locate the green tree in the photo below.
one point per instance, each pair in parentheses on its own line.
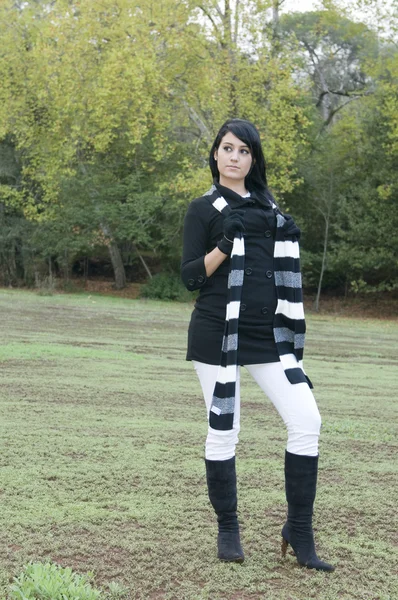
(100,96)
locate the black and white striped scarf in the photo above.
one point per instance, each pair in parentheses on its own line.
(289,322)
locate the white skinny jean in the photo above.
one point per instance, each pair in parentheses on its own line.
(295,403)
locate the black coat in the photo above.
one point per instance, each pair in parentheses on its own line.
(203,228)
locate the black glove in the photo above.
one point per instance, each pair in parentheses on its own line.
(290,228)
(232,225)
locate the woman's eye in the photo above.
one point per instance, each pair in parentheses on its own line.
(229,149)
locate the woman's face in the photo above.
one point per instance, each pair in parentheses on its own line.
(234,159)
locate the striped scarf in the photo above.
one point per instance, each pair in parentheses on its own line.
(289,323)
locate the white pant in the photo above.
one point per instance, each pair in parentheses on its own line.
(294,402)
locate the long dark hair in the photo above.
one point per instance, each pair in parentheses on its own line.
(256,179)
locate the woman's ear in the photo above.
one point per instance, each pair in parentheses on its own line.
(215,156)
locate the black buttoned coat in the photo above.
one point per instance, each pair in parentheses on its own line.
(203,228)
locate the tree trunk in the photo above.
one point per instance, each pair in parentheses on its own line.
(275,14)
(326,215)
(116,259)
(325,248)
(275,32)
(12,266)
(114,252)
(66,265)
(85,269)
(236,23)
(147,269)
(231,50)
(118,266)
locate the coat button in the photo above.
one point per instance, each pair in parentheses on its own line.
(201,279)
(268,274)
(243,307)
(248,271)
(268,233)
(191,281)
(264,310)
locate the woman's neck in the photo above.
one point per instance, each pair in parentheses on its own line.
(236,186)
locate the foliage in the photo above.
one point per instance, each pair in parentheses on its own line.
(95,95)
(48,581)
(108,110)
(345,203)
(166,286)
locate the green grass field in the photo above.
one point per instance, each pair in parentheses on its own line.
(101,462)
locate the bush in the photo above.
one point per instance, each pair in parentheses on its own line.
(166,286)
(46,286)
(49,581)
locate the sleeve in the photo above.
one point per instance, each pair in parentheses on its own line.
(193,272)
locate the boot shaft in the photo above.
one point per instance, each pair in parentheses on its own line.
(300,481)
(301,474)
(221,485)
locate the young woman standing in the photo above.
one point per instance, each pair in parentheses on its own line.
(242,254)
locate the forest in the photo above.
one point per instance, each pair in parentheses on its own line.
(108,109)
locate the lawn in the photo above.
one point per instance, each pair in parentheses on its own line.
(101,462)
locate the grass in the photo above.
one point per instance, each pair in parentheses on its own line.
(101,463)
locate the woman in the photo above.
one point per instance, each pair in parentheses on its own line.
(242,254)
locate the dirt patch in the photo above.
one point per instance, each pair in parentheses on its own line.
(378,306)
(107,287)
(371,306)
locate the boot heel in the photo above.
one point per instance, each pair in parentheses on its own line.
(284,547)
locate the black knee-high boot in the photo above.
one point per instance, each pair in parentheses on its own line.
(221,483)
(300,479)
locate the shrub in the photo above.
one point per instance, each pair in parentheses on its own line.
(46,286)
(48,581)
(165,286)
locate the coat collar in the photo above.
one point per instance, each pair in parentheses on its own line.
(286,225)
(235,200)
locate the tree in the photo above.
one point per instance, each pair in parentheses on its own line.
(337,55)
(74,99)
(97,96)
(334,51)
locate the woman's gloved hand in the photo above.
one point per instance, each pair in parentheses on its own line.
(232,225)
(290,228)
